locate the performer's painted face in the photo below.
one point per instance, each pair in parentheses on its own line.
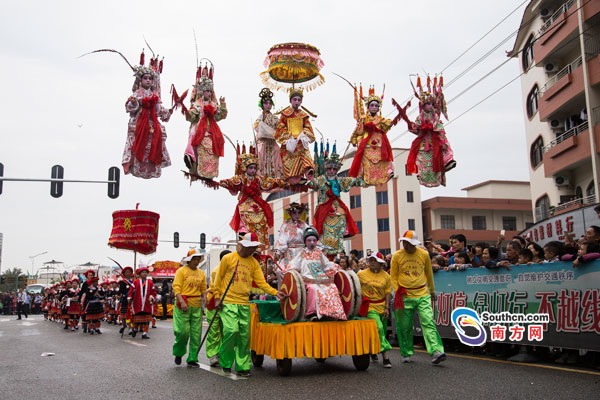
(373,107)
(427,107)
(267,105)
(147,81)
(296,101)
(295,214)
(251,170)
(331,171)
(206,95)
(311,242)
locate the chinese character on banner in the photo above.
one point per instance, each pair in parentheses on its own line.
(459,299)
(535,235)
(559,228)
(498,333)
(516,333)
(546,306)
(444,311)
(541,229)
(535,333)
(549,230)
(514,305)
(481,302)
(590,316)
(569,223)
(568,311)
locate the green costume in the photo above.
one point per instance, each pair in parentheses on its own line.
(214,335)
(404,325)
(381,325)
(236,337)
(187,326)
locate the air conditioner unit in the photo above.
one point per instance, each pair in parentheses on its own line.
(562,180)
(546,13)
(551,67)
(557,124)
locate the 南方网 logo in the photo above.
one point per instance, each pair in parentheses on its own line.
(463,317)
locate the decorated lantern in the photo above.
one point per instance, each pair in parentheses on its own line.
(293,63)
(135,230)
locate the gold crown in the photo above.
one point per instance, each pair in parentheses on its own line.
(296,92)
(248,159)
(426,97)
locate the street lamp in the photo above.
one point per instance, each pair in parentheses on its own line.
(33,259)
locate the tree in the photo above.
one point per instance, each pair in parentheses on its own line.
(13,279)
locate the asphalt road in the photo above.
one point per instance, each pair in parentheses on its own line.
(108,367)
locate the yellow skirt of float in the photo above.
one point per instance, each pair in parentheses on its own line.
(159,310)
(357,338)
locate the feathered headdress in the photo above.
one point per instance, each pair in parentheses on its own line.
(432,94)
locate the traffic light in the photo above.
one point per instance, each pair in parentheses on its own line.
(203,240)
(176,239)
(56,188)
(114,175)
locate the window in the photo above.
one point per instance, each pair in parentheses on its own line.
(528,53)
(578,192)
(532,101)
(447,221)
(382,198)
(537,152)
(385,252)
(590,191)
(359,226)
(542,208)
(509,223)
(528,225)
(271,240)
(383,225)
(411,224)
(410,198)
(479,223)
(355,201)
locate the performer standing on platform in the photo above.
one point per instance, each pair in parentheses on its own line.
(290,241)
(141,296)
(412,280)
(215,333)
(240,268)
(189,288)
(295,134)
(376,286)
(124,285)
(269,154)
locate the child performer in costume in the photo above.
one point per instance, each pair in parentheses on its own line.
(73,307)
(295,134)
(240,268)
(332,218)
(141,296)
(145,151)
(290,241)
(64,290)
(376,286)
(269,156)
(430,154)
(205,142)
(124,286)
(189,288)
(92,304)
(322,296)
(214,337)
(252,212)
(373,160)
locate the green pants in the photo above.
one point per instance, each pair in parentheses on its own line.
(404,326)
(187,326)
(381,326)
(236,337)
(214,335)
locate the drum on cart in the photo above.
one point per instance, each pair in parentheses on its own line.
(294,306)
(349,288)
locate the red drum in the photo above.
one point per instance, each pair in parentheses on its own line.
(135,230)
(345,287)
(294,306)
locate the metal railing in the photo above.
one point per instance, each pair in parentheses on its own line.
(564,136)
(581,201)
(560,11)
(562,73)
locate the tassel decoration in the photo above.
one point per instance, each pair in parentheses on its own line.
(142,58)
(160,66)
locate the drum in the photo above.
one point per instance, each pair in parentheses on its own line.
(357,293)
(346,289)
(294,306)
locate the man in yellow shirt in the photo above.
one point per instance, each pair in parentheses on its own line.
(189,288)
(215,333)
(412,276)
(239,268)
(376,287)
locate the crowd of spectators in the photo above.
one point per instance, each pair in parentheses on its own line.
(20,302)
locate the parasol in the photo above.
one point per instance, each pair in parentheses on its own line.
(293,63)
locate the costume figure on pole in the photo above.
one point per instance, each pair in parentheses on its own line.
(206,142)
(322,296)
(239,269)
(412,280)
(430,154)
(376,286)
(252,212)
(332,218)
(141,296)
(189,287)
(373,160)
(290,241)
(269,157)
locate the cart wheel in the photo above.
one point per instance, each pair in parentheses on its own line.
(320,360)
(284,367)
(257,359)
(361,362)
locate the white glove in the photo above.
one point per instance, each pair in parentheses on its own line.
(291,144)
(305,140)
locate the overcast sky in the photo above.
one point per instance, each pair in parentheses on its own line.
(47,93)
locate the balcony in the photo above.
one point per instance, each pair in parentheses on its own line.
(556,30)
(561,88)
(572,205)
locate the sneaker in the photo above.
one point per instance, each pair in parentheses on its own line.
(214,361)
(246,373)
(187,159)
(98,332)
(406,359)
(227,370)
(91,331)
(153,326)
(438,357)
(387,363)
(178,360)
(374,358)
(133,333)
(72,329)
(145,336)
(193,364)
(451,165)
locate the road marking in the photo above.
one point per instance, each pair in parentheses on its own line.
(581,371)
(135,343)
(30,332)
(219,371)
(28,323)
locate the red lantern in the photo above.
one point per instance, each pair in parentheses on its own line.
(135,230)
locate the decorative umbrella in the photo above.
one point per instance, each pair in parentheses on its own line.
(293,63)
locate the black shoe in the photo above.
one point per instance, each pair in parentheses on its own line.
(144,336)
(91,331)
(374,358)
(178,360)
(193,364)
(187,159)
(98,332)
(133,333)
(451,165)
(66,327)
(387,363)
(246,373)
(122,329)
(85,329)
(153,326)
(227,370)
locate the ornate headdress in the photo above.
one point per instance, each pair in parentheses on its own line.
(244,159)
(294,91)
(303,207)
(373,97)
(204,79)
(248,159)
(333,162)
(433,94)
(324,159)
(265,95)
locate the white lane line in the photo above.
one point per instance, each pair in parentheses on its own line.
(135,343)
(28,323)
(219,371)
(29,332)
